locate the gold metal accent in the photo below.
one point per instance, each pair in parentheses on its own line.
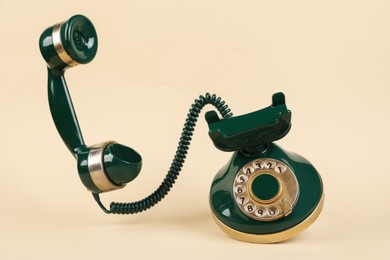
(275,237)
(287,207)
(96,168)
(275,208)
(64,56)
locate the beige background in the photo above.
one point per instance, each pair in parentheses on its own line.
(330,58)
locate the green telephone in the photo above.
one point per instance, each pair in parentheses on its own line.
(264,194)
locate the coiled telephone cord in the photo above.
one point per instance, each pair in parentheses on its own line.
(178,160)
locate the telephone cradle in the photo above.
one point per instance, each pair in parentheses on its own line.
(264,194)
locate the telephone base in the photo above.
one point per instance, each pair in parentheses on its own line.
(273,237)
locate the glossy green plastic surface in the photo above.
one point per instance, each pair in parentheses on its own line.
(82,168)
(265,187)
(122,164)
(63,113)
(225,208)
(48,51)
(251,131)
(79,40)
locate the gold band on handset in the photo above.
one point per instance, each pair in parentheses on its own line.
(96,168)
(59,47)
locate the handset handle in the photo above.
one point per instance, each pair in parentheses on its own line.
(251,131)
(63,46)
(102,167)
(63,113)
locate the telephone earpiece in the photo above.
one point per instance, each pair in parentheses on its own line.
(264,194)
(69,43)
(102,167)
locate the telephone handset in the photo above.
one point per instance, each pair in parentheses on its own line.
(264,194)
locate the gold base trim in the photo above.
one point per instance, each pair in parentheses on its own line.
(275,237)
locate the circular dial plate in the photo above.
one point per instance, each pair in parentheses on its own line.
(271,209)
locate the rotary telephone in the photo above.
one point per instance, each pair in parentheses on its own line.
(264,194)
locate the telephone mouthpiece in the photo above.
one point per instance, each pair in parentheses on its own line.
(108,166)
(69,43)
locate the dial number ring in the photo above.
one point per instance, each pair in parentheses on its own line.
(274,208)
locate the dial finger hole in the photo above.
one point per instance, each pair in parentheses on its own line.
(280,168)
(270,164)
(242,200)
(241,179)
(258,164)
(250,208)
(272,211)
(240,189)
(248,170)
(260,212)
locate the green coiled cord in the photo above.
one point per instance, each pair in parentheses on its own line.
(178,160)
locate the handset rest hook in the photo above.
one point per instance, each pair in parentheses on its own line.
(251,131)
